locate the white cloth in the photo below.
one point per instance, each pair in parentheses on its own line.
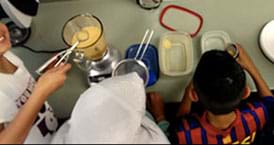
(14,92)
(111,112)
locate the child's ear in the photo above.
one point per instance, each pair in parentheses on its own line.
(194,97)
(246,93)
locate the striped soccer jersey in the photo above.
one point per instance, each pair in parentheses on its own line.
(251,118)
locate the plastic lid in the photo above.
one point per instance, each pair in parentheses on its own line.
(167,20)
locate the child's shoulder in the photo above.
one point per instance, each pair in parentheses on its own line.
(189,122)
(254,112)
(251,105)
(13,58)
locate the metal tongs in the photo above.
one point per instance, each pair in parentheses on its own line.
(61,57)
(142,43)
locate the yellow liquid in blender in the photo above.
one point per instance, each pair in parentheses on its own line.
(87,37)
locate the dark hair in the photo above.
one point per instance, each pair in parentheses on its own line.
(219,82)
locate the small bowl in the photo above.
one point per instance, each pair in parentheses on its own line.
(127,66)
(233,50)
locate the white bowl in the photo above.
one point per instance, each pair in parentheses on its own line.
(267,41)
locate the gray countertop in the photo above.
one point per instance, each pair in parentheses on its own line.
(125,22)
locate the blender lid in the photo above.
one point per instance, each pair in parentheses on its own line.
(267,41)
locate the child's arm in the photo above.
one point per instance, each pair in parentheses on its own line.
(245,61)
(17,130)
(261,85)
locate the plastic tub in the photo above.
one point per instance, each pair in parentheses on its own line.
(150,59)
(176,54)
(215,40)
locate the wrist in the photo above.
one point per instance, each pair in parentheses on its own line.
(40,93)
(160,118)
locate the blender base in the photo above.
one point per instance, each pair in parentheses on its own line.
(102,69)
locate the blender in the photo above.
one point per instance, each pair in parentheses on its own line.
(92,55)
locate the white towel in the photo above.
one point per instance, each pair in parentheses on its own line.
(111,112)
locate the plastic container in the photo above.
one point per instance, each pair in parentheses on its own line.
(150,59)
(176,54)
(215,40)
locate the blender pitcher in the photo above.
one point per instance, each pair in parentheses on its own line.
(92,55)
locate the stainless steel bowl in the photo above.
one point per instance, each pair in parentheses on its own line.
(132,65)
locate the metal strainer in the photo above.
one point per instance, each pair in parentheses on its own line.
(127,66)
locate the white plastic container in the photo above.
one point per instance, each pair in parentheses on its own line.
(214,40)
(176,54)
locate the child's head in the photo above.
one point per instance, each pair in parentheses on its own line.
(219,82)
(5,43)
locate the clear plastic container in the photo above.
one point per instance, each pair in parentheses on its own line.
(215,40)
(176,54)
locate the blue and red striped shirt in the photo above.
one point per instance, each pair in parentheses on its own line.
(250,119)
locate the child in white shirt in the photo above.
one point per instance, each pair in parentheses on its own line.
(25,116)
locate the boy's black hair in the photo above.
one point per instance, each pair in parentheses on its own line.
(219,82)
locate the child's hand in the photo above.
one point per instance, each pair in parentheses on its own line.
(52,80)
(185,106)
(188,91)
(156,106)
(244,60)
